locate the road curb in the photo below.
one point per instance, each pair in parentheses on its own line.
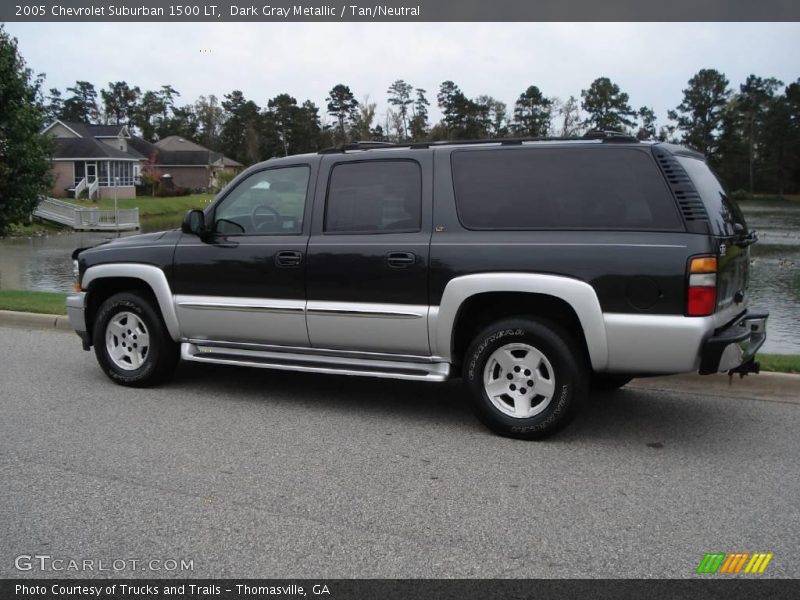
(34,320)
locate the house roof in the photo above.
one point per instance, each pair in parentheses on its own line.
(177,151)
(89,130)
(224,161)
(66,148)
(88,144)
(177,143)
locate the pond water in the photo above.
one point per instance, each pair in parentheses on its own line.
(43,263)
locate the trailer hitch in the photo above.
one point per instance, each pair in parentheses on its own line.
(751,366)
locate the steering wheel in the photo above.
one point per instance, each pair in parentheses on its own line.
(260,219)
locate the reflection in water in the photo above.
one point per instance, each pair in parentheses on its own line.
(44,264)
(775,271)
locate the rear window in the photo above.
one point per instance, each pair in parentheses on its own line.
(723,212)
(561,188)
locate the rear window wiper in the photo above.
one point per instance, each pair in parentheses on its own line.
(746,240)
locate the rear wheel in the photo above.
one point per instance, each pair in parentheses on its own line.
(131,342)
(526,377)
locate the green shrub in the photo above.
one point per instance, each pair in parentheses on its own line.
(741,196)
(222,179)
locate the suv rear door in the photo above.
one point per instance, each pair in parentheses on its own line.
(367,271)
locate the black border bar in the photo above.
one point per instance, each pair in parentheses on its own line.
(283,11)
(710,587)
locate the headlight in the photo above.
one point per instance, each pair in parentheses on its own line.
(76,272)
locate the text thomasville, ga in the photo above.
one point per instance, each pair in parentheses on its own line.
(213,10)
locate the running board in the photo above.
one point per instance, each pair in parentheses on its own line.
(315,363)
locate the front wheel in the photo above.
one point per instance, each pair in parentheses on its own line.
(527,378)
(131,342)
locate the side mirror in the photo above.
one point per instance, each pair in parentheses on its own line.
(194,222)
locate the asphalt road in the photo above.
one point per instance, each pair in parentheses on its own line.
(254,473)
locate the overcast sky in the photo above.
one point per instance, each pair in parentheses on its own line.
(650,61)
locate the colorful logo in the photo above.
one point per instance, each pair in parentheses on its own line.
(734,562)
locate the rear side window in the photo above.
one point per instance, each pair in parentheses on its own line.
(382,196)
(723,212)
(561,188)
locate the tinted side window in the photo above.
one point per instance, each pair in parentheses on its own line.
(723,212)
(374,197)
(269,202)
(561,188)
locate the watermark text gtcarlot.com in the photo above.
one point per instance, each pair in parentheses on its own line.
(47,563)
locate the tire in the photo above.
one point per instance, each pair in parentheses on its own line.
(531,351)
(122,323)
(608,382)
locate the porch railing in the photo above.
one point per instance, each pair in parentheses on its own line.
(93,188)
(79,187)
(87,217)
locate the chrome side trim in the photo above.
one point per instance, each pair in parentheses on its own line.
(241,307)
(152,276)
(556,244)
(655,344)
(315,364)
(578,294)
(413,358)
(356,312)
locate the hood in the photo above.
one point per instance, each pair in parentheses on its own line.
(121,242)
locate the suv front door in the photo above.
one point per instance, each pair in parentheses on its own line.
(245,281)
(367,272)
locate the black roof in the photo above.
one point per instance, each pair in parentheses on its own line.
(90,148)
(89,130)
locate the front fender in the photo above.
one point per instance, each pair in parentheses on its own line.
(152,276)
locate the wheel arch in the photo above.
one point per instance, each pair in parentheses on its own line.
(102,281)
(561,296)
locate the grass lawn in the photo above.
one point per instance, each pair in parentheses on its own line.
(782,363)
(153,207)
(35,228)
(49,303)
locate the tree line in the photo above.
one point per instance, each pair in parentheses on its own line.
(750,133)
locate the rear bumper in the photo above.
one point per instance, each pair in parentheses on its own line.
(735,344)
(76,311)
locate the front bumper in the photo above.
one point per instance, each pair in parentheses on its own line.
(76,311)
(735,344)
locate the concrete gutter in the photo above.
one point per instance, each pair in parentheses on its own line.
(34,320)
(775,387)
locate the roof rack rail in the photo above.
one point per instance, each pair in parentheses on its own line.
(365,145)
(609,136)
(602,136)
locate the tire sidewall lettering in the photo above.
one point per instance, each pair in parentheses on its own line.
(485,343)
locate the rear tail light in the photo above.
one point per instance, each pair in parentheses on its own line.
(701,296)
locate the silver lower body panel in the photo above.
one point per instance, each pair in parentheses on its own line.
(316,361)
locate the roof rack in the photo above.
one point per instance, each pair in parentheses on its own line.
(602,136)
